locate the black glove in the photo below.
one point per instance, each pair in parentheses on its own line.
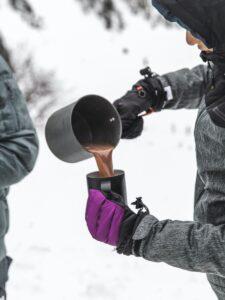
(147,94)
(132,128)
(126,244)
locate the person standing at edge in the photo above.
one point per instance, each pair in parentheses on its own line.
(197,245)
(18,153)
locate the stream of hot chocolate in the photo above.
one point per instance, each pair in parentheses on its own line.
(103,157)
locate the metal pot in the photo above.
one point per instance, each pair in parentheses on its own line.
(90,120)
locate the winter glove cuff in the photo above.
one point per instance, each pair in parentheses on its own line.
(131,221)
(155,92)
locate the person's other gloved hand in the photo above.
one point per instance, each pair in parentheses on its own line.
(147,95)
(112,222)
(132,128)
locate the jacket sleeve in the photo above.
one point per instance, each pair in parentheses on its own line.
(186,245)
(185,88)
(18,138)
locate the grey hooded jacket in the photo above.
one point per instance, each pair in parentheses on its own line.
(197,245)
(18,150)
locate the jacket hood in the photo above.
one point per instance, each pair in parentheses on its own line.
(204,18)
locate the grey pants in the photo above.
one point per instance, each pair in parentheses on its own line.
(4,268)
(218,285)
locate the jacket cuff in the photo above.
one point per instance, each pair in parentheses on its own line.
(167,89)
(143,230)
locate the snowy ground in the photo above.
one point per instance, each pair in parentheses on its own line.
(54,256)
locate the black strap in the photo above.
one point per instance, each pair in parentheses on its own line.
(139,204)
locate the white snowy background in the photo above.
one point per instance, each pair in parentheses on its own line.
(54,255)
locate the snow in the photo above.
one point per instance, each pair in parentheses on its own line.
(54,255)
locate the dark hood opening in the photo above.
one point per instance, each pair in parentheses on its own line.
(204,18)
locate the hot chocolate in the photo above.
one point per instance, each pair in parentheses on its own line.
(103,157)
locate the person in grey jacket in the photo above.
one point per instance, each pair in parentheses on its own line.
(18,153)
(197,245)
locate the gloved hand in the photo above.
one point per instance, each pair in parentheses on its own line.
(112,222)
(147,95)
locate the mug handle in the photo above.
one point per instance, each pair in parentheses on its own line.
(106,186)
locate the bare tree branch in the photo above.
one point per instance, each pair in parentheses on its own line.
(38,86)
(112,16)
(106,10)
(26,11)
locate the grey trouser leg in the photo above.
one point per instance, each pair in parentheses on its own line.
(218,285)
(4,268)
